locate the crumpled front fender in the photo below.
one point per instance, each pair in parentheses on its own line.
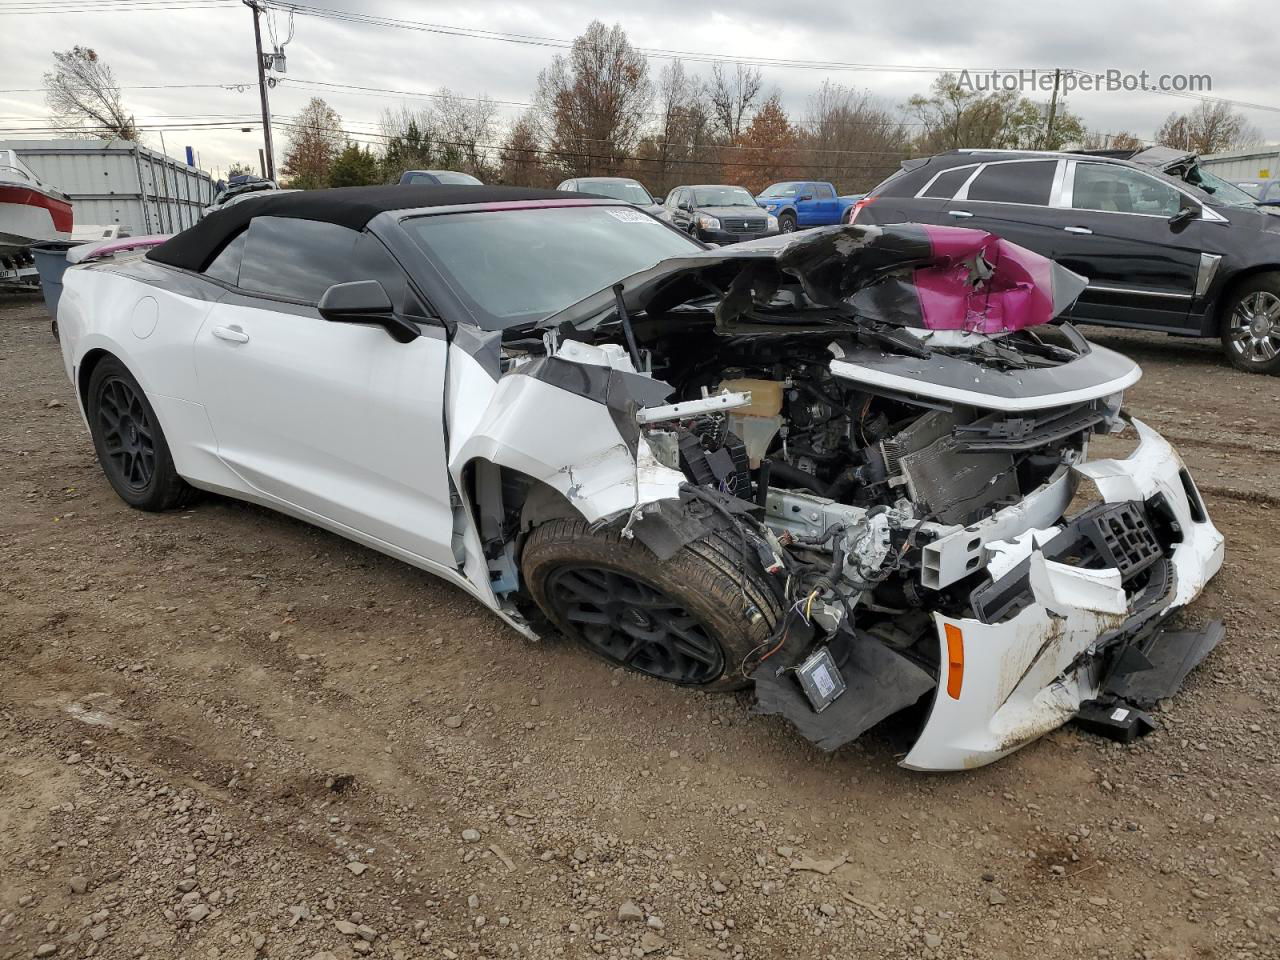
(569,442)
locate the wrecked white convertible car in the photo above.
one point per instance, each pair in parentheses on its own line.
(843,468)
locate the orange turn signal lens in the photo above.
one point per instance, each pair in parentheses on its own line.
(955,660)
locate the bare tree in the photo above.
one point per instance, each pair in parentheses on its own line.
(1209,128)
(592,104)
(854,136)
(1100,140)
(520,159)
(733,96)
(466,130)
(315,137)
(84,97)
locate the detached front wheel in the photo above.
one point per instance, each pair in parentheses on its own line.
(683,620)
(1251,325)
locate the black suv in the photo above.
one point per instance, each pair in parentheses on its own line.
(1164,244)
(719,213)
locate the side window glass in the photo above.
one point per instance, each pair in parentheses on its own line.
(372,261)
(226,265)
(947,183)
(1015,182)
(1121,190)
(296,259)
(823,191)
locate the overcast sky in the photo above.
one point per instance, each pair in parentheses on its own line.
(1234,42)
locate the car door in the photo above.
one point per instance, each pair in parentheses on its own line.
(826,209)
(338,420)
(1142,269)
(682,208)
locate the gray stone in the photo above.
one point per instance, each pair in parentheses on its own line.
(630,912)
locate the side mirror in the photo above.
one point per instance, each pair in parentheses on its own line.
(805,196)
(365,301)
(1189,211)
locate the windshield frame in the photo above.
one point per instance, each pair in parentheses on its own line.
(448,297)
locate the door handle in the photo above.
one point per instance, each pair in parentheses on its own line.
(232,333)
(959,213)
(1078,230)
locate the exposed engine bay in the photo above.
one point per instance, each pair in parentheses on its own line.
(904,488)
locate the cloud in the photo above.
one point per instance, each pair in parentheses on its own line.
(216,46)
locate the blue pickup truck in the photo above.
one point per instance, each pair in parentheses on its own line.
(805,203)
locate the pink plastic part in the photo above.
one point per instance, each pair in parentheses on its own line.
(1016,291)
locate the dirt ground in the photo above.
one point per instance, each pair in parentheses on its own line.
(226,734)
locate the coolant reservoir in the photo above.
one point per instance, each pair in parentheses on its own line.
(766,396)
(757,423)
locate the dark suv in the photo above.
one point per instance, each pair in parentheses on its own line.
(1164,244)
(719,213)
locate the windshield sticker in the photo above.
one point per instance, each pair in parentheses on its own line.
(629,216)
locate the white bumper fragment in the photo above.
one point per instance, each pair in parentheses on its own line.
(1002,685)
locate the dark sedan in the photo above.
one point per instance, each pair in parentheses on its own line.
(1164,245)
(718,213)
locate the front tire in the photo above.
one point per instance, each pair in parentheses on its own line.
(787,223)
(131,447)
(683,620)
(1251,325)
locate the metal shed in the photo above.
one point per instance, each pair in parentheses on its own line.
(119,182)
(1257,163)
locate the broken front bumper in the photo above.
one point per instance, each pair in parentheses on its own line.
(1059,629)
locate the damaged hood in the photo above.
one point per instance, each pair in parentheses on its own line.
(910,275)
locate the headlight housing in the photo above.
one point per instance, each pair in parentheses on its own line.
(707,223)
(771,222)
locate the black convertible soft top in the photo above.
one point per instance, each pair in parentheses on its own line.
(351,207)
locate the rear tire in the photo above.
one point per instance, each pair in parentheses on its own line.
(1251,325)
(131,447)
(682,620)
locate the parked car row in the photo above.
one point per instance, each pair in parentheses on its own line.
(1164,244)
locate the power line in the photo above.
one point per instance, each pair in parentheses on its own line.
(88,6)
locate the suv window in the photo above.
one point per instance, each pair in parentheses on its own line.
(226,265)
(823,191)
(300,259)
(1020,182)
(948,182)
(1101,186)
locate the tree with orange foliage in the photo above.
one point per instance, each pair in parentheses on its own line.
(765,153)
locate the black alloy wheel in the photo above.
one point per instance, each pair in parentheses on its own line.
(129,441)
(635,624)
(127,433)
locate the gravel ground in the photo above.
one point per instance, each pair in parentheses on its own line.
(226,735)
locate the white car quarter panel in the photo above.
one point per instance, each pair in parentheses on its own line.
(337,419)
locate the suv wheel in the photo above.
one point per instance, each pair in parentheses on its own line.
(787,223)
(1251,325)
(686,620)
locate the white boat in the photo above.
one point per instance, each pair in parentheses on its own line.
(30,210)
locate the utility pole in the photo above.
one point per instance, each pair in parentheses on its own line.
(262,90)
(1053,107)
